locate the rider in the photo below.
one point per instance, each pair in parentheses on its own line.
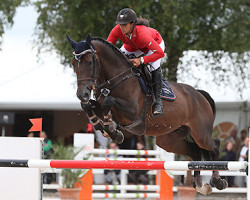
(138,38)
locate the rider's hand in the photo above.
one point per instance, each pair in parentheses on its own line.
(136,61)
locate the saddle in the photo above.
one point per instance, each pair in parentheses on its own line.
(145,74)
(145,80)
(143,71)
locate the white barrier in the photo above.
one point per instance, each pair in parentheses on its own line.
(126,195)
(181,165)
(6,161)
(127,187)
(231,166)
(20,183)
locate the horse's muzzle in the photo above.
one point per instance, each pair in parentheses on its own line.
(83,94)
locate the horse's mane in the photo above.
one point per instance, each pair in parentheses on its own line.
(114,48)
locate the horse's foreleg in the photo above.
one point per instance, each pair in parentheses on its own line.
(109,124)
(96,121)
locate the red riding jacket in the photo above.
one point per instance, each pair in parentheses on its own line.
(143,38)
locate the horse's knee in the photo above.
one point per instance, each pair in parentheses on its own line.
(108,103)
(87,108)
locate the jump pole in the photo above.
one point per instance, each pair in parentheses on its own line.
(130,165)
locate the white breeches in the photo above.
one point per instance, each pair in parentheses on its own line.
(153,65)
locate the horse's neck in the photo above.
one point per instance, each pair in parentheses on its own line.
(110,63)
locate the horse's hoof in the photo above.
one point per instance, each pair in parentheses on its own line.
(220,184)
(225,183)
(119,137)
(205,189)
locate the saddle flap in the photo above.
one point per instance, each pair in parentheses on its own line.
(147,74)
(166,94)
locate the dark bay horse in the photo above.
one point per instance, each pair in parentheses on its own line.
(185,128)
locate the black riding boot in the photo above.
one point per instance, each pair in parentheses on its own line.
(157,87)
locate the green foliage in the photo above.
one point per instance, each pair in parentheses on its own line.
(7,13)
(222,69)
(214,25)
(76,18)
(68,152)
(218,29)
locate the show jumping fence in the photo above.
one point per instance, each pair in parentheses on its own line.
(126,164)
(131,165)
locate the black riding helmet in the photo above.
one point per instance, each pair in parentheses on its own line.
(126,16)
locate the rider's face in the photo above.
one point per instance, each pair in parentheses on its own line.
(126,28)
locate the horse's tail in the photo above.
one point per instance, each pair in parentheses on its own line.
(210,100)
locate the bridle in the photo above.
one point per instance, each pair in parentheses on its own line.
(78,57)
(105,87)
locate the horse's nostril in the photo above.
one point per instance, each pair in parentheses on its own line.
(83,96)
(86,96)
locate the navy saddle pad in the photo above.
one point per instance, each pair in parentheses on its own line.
(166,93)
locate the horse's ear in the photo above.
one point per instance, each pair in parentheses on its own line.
(88,40)
(72,42)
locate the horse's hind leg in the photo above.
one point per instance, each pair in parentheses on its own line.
(178,143)
(213,155)
(209,150)
(202,188)
(216,180)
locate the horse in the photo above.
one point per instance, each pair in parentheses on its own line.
(120,104)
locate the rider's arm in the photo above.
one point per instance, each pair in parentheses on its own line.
(113,36)
(152,45)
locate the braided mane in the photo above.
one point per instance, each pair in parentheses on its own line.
(113,47)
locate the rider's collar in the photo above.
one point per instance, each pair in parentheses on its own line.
(133,33)
(130,36)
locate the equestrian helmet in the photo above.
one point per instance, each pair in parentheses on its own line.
(126,16)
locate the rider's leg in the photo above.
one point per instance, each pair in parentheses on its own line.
(157,87)
(155,68)
(131,54)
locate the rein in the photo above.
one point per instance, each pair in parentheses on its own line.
(106,91)
(106,87)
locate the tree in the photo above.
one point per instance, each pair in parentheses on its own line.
(76,18)
(200,25)
(7,12)
(215,26)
